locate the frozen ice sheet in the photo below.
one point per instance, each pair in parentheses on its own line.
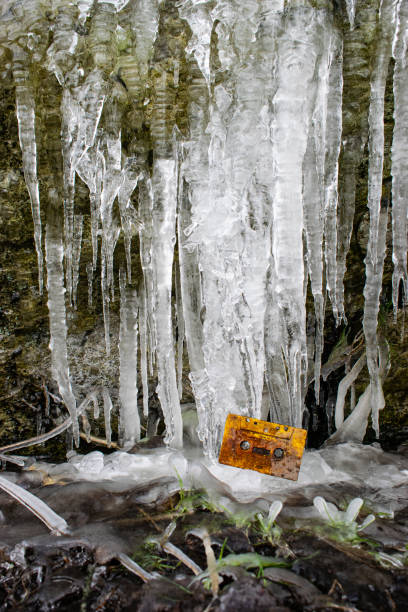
(366,469)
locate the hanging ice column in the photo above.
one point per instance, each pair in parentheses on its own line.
(249,190)
(378,208)
(25,103)
(129,414)
(163,220)
(56,306)
(298,49)
(193,189)
(400,159)
(320,171)
(227,233)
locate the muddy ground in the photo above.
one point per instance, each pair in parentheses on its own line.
(308,566)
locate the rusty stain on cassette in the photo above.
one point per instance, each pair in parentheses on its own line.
(270,448)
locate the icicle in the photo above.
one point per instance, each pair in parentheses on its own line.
(351,12)
(90,170)
(107,409)
(55,523)
(105,305)
(69,113)
(320,141)
(89,273)
(94,203)
(129,414)
(314,222)
(112,180)
(333,142)
(145,239)
(101,35)
(111,183)
(128,216)
(354,427)
(347,369)
(76,255)
(61,61)
(352,397)
(180,333)
(57,314)
(61,52)
(357,52)
(151,346)
(161,253)
(292,106)
(143,350)
(400,159)
(224,233)
(194,171)
(164,218)
(344,386)
(376,120)
(142,18)
(320,170)
(372,291)
(319,312)
(200,21)
(26,130)
(81,111)
(275,370)
(144,21)
(69,234)
(378,214)
(95,401)
(254,182)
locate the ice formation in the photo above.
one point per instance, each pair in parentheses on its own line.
(53,521)
(209,135)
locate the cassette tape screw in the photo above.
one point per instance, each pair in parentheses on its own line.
(245,445)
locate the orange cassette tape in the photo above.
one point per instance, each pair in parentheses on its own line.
(265,447)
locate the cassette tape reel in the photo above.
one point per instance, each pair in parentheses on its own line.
(270,448)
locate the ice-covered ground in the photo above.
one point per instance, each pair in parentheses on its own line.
(107,498)
(381,478)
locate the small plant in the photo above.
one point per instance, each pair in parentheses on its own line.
(188,498)
(267,526)
(241,520)
(192,499)
(147,555)
(247,561)
(345,523)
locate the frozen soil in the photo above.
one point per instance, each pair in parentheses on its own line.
(310,566)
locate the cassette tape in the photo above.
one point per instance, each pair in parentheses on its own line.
(270,448)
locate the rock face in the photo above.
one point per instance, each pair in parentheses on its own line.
(198,175)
